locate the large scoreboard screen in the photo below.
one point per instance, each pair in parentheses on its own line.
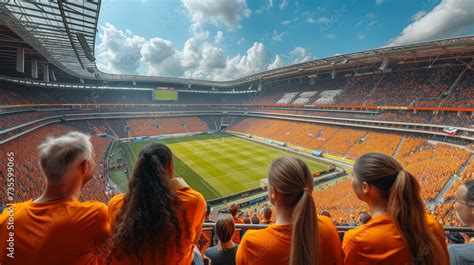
(165,94)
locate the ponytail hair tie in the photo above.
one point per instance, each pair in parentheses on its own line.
(307,189)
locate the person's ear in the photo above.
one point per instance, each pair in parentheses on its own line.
(83,167)
(86,168)
(365,187)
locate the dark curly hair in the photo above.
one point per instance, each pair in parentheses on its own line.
(148,216)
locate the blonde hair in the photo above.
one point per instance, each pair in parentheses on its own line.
(58,155)
(292,178)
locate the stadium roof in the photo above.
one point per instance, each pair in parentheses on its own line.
(55,29)
(63,34)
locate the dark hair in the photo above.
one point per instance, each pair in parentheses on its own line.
(326,213)
(364,218)
(255,220)
(456,238)
(150,209)
(247,220)
(291,177)
(224,229)
(469,197)
(267,213)
(404,204)
(233,209)
(208,209)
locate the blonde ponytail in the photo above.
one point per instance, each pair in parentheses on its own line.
(292,178)
(305,232)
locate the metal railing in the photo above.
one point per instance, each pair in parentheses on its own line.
(339,227)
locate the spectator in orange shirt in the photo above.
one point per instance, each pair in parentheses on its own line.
(159,218)
(400,231)
(56,228)
(298,236)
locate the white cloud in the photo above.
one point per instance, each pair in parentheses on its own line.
(278,36)
(379,2)
(123,52)
(119,51)
(266,7)
(161,58)
(219,38)
(277,63)
(256,59)
(198,32)
(360,36)
(449,18)
(227,12)
(283,4)
(287,22)
(321,20)
(418,15)
(300,54)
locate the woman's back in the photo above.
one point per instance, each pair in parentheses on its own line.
(221,257)
(193,212)
(272,245)
(379,242)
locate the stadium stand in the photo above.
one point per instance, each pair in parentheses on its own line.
(165,126)
(432,163)
(29,179)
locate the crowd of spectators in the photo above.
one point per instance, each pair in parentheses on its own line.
(28,178)
(432,163)
(165,126)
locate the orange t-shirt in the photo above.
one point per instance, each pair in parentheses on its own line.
(379,242)
(272,245)
(59,232)
(195,207)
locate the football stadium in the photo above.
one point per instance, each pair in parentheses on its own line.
(121,148)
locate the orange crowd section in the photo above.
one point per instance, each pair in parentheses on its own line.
(434,164)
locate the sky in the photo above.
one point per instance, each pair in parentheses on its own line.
(228,39)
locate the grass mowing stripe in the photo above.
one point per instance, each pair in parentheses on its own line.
(220,165)
(193,179)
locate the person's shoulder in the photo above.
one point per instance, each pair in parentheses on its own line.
(434,225)
(432,222)
(454,248)
(11,209)
(325,221)
(211,252)
(252,235)
(461,252)
(117,199)
(94,209)
(191,197)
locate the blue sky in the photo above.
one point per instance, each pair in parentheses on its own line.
(226,39)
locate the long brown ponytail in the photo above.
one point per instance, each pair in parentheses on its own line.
(149,215)
(405,205)
(292,178)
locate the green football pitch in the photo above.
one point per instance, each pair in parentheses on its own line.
(216,165)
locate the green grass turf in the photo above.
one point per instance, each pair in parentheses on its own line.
(220,165)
